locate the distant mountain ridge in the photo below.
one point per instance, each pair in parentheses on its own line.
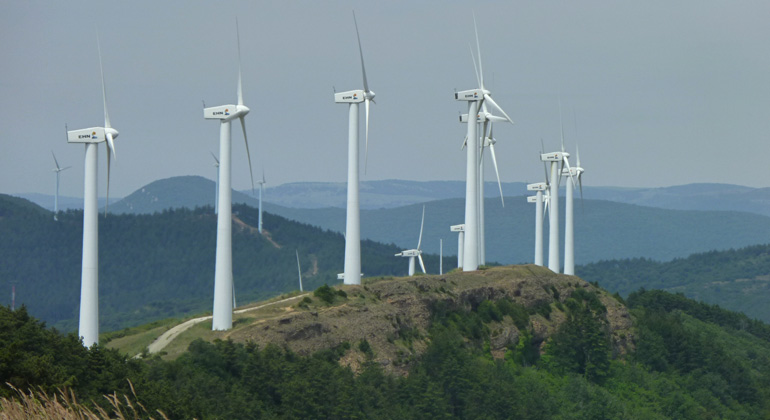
(192,191)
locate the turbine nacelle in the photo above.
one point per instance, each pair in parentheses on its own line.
(457,228)
(538,186)
(91,135)
(409,253)
(352,96)
(483,117)
(573,172)
(532,199)
(225,112)
(554,156)
(471,95)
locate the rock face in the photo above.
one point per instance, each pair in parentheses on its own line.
(394,314)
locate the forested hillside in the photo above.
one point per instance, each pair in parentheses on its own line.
(738,279)
(162,265)
(689,361)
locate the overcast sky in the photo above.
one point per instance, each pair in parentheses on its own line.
(664,93)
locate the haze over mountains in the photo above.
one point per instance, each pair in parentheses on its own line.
(604,229)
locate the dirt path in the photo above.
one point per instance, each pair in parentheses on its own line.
(167,337)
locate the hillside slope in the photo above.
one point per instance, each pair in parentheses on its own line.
(737,279)
(162,265)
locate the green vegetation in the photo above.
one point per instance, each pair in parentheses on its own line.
(735,279)
(692,361)
(161,266)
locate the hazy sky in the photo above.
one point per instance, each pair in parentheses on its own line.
(664,92)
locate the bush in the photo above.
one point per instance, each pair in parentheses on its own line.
(325,293)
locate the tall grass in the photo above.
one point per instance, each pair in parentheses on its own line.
(36,404)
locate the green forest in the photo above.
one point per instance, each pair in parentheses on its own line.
(690,361)
(736,279)
(161,266)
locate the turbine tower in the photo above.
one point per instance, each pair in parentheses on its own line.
(417,252)
(216,192)
(261,187)
(57,169)
(223,276)
(538,200)
(88,327)
(352,274)
(569,224)
(476,99)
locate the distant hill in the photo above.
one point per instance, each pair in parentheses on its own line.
(737,279)
(603,229)
(46,201)
(162,265)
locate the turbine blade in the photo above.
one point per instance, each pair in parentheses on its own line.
(56,162)
(561,125)
(494,162)
(104,89)
(248,155)
(465,142)
(361,52)
(494,104)
(65,168)
(475,67)
(422,223)
(545,166)
(366,148)
(483,141)
(111,145)
(240,85)
(215,158)
(422,264)
(263,176)
(478,52)
(299,269)
(577,149)
(566,162)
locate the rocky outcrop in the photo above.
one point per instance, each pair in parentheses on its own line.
(394,314)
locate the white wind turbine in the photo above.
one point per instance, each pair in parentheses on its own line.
(538,199)
(460,229)
(216,192)
(569,224)
(476,99)
(88,326)
(352,274)
(261,187)
(57,169)
(223,276)
(557,160)
(417,252)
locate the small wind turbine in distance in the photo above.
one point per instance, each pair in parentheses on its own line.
(417,252)
(261,187)
(460,229)
(223,277)
(299,270)
(88,327)
(57,169)
(538,200)
(352,274)
(441,256)
(216,189)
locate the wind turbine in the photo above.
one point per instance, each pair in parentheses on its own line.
(216,193)
(569,224)
(261,187)
(57,169)
(538,200)
(417,252)
(441,256)
(460,229)
(88,326)
(223,276)
(352,274)
(299,269)
(555,159)
(476,99)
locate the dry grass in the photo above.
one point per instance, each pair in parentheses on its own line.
(36,404)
